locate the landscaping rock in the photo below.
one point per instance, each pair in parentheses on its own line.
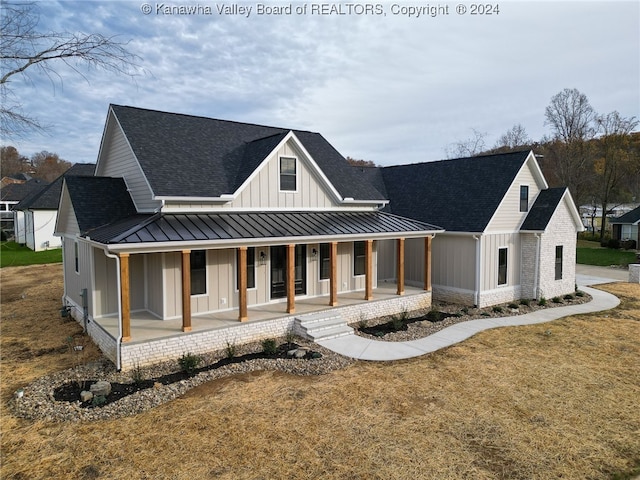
(300,353)
(86,396)
(100,389)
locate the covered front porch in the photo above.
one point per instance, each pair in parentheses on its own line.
(148,327)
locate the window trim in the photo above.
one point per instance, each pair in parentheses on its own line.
(506,266)
(322,247)
(255,277)
(206,274)
(295,174)
(559,248)
(76,256)
(355,258)
(520,199)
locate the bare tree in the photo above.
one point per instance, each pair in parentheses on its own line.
(468,148)
(616,160)
(24,49)
(48,166)
(11,162)
(513,138)
(572,119)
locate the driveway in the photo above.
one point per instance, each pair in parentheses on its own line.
(591,275)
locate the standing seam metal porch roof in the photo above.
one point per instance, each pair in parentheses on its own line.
(255,225)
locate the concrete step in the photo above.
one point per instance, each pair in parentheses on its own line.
(323,326)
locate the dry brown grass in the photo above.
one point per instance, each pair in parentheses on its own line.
(558,400)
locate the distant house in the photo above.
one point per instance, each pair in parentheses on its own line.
(507,234)
(38,211)
(195,232)
(12,192)
(626,227)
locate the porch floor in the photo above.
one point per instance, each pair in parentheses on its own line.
(145,326)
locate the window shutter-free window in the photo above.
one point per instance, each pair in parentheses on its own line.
(559,262)
(325,261)
(502,266)
(524,198)
(358,258)
(251,268)
(288,174)
(198,260)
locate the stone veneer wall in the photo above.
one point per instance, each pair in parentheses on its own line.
(529,250)
(154,351)
(499,295)
(560,231)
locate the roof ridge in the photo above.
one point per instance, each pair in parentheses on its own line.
(431,162)
(202,117)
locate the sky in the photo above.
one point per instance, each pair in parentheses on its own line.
(377,81)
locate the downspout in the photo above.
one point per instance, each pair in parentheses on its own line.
(478,269)
(536,275)
(119,339)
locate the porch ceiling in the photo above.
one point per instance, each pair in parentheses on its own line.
(224,228)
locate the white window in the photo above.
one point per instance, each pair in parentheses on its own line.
(288,174)
(524,198)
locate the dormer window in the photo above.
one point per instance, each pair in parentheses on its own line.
(524,198)
(288,174)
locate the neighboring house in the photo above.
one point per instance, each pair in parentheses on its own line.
(627,227)
(38,211)
(196,233)
(10,195)
(507,235)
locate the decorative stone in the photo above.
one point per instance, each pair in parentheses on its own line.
(86,396)
(100,389)
(292,353)
(300,353)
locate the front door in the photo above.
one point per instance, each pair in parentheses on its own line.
(279,271)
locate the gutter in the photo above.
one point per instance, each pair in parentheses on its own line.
(477,238)
(119,339)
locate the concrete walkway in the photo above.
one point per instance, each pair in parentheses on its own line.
(362,348)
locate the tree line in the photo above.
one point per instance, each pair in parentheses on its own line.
(44,165)
(597,156)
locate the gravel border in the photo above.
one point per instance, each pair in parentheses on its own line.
(38,403)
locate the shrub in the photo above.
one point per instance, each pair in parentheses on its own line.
(231,349)
(269,346)
(465,310)
(363,322)
(290,337)
(579,293)
(136,374)
(542,302)
(525,302)
(556,300)
(189,362)
(497,309)
(613,243)
(513,306)
(397,323)
(568,296)
(98,400)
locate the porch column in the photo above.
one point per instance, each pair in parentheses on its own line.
(400,263)
(333,276)
(186,290)
(427,263)
(291,279)
(368,259)
(125,302)
(242,283)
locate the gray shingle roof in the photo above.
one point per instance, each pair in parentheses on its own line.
(542,209)
(183,155)
(630,217)
(99,201)
(461,195)
(16,192)
(48,197)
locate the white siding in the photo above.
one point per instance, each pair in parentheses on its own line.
(117,160)
(508,216)
(453,260)
(44,222)
(75,282)
(490,246)
(263,190)
(154,283)
(66,222)
(106,284)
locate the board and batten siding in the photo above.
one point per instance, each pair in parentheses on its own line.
(263,191)
(76,281)
(508,216)
(66,222)
(117,160)
(154,283)
(490,247)
(453,260)
(106,285)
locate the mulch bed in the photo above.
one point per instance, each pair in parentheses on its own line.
(70,391)
(402,324)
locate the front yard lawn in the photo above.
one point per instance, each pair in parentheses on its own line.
(13,254)
(604,257)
